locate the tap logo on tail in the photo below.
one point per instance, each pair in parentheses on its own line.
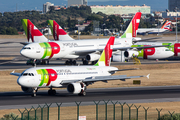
(105,58)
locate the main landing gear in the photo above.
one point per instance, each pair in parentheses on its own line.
(83,93)
(70,62)
(51,92)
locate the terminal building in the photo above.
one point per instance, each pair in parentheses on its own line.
(120,10)
(76,2)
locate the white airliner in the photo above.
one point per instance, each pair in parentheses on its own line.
(74,78)
(174,47)
(91,48)
(164,28)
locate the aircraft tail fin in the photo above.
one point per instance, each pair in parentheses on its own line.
(167,25)
(32,32)
(105,57)
(132,27)
(58,32)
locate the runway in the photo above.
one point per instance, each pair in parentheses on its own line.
(128,95)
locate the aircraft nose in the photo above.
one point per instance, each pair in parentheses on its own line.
(23,52)
(171,54)
(22,82)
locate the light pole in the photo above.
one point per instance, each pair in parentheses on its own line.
(158,25)
(78,29)
(176,24)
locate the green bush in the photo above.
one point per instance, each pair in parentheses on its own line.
(169,117)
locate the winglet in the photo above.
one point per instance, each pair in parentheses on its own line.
(58,32)
(148,76)
(32,32)
(132,27)
(105,58)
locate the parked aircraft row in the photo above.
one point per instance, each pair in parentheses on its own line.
(64,46)
(77,78)
(74,78)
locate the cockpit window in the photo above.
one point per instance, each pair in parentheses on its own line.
(27,74)
(27,48)
(167,50)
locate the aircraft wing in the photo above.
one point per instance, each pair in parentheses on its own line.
(103,79)
(24,43)
(85,52)
(15,74)
(146,39)
(139,48)
(114,49)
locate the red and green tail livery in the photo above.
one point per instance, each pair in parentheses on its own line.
(105,58)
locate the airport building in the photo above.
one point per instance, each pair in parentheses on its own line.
(120,10)
(172,4)
(76,2)
(46,7)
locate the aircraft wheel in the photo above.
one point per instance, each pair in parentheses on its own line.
(74,62)
(51,92)
(33,95)
(82,94)
(67,62)
(85,62)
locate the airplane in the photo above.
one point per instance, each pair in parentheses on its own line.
(173,47)
(74,78)
(156,53)
(164,28)
(147,53)
(88,48)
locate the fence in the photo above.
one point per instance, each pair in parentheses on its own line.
(97,110)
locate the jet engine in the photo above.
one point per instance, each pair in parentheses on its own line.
(118,58)
(76,88)
(130,53)
(27,89)
(92,57)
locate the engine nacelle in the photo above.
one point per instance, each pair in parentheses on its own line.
(130,53)
(92,57)
(118,58)
(76,88)
(27,89)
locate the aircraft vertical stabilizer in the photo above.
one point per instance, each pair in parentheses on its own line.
(58,32)
(105,58)
(133,26)
(32,32)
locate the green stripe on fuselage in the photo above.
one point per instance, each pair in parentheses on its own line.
(47,49)
(44,76)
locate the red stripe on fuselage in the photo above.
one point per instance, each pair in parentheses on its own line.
(148,52)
